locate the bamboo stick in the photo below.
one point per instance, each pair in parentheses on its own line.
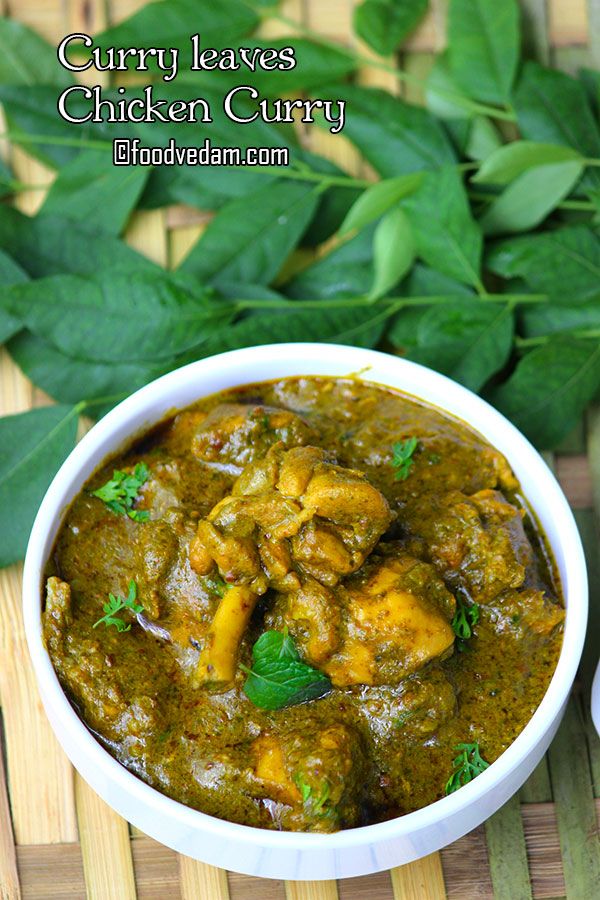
(311,890)
(105,847)
(419,880)
(9,877)
(200,880)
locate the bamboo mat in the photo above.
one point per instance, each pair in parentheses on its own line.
(59,840)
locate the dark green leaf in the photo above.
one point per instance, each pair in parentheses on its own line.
(563,263)
(446,234)
(553,318)
(32,111)
(392,135)
(531,197)
(361,326)
(550,388)
(393,251)
(10,273)
(483,47)
(6,180)
(91,188)
(34,444)
(344,272)
(468,340)
(169,23)
(278,677)
(509,161)
(377,199)
(26,58)
(250,238)
(69,379)
(50,245)
(552,107)
(383,24)
(116,317)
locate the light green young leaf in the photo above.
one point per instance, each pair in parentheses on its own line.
(531,197)
(443,95)
(91,189)
(550,388)
(553,108)
(483,138)
(483,47)
(26,58)
(383,24)
(251,237)
(34,444)
(511,160)
(377,199)
(393,252)
(447,236)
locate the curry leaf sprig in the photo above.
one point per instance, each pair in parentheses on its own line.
(464,620)
(117,604)
(467,765)
(402,460)
(121,492)
(278,676)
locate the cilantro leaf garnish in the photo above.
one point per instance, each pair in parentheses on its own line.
(115,605)
(121,492)
(467,765)
(402,459)
(278,676)
(465,619)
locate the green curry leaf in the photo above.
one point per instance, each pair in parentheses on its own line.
(279,677)
(34,444)
(483,40)
(383,24)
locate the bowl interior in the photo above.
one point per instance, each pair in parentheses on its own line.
(182,387)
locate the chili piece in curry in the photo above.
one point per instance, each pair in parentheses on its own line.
(314,591)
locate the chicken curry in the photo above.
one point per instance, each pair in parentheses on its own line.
(307,605)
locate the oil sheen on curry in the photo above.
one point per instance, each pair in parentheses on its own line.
(308,605)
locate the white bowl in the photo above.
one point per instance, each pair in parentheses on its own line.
(274,854)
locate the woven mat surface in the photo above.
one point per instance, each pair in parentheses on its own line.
(59,840)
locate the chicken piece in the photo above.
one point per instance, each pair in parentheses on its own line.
(234,434)
(477,543)
(57,613)
(315,776)
(374,628)
(290,517)
(413,710)
(527,615)
(313,616)
(396,617)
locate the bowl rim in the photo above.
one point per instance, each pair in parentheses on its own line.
(53,508)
